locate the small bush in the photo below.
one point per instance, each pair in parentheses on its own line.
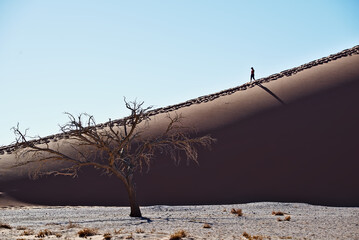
(237,211)
(206,225)
(119,231)
(258,238)
(6,226)
(21,228)
(107,236)
(249,237)
(43,233)
(129,236)
(139,230)
(27,233)
(279,213)
(178,235)
(86,232)
(287,218)
(58,235)
(72,225)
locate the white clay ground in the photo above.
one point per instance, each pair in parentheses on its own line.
(306,222)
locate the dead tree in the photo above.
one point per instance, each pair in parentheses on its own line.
(116,149)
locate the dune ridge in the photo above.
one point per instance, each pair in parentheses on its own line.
(9,149)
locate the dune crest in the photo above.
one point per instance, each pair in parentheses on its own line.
(286,73)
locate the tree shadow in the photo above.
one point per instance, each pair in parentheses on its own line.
(146,219)
(271,93)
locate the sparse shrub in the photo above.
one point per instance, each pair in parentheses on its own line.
(178,235)
(279,213)
(257,238)
(107,236)
(287,218)
(249,237)
(206,225)
(58,235)
(43,233)
(129,236)
(6,226)
(21,228)
(72,225)
(119,231)
(86,232)
(27,233)
(139,230)
(237,211)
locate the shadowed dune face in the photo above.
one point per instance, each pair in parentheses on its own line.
(293,140)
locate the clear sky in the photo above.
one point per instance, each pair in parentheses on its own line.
(85,56)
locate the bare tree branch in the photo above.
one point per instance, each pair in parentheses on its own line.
(116,150)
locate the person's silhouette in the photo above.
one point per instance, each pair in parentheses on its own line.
(252,74)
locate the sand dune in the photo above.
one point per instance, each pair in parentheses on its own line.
(290,137)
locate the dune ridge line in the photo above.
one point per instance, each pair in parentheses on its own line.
(9,149)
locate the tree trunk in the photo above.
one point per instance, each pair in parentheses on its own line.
(135,208)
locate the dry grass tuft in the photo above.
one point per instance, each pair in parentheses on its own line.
(207,225)
(72,225)
(178,235)
(119,231)
(129,236)
(86,232)
(43,233)
(6,226)
(107,236)
(287,218)
(27,232)
(139,230)
(257,238)
(249,237)
(237,211)
(279,213)
(21,228)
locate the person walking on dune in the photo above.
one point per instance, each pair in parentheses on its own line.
(252,74)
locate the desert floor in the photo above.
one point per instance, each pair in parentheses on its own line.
(160,222)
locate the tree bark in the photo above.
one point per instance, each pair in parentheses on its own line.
(135,208)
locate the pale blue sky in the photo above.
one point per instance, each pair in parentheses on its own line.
(84,56)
